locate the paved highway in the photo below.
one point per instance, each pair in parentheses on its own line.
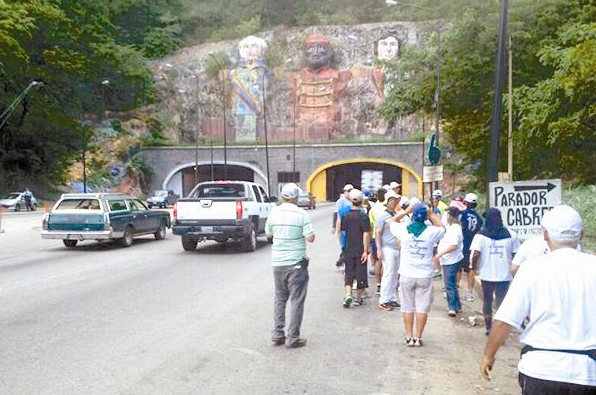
(153,319)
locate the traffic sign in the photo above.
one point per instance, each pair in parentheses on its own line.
(432,173)
(523,203)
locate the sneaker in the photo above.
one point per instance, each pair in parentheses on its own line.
(385,306)
(378,291)
(339,263)
(297,344)
(418,343)
(358,302)
(347,301)
(438,274)
(279,342)
(410,342)
(469,297)
(445,295)
(452,313)
(487,333)
(394,304)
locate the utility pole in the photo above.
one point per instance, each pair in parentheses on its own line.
(495,124)
(223,100)
(510,102)
(197,158)
(294,134)
(438,92)
(84,161)
(266,135)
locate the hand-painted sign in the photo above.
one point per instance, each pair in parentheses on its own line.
(523,203)
(432,173)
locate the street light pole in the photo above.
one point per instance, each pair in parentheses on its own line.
(294,134)
(84,161)
(510,129)
(223,100)
(104,84)
(264,93)
(6,114)
(495,124)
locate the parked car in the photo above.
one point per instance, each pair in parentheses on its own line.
(307,200)
(102,216)
(162,198)
(220,211)
(16,201)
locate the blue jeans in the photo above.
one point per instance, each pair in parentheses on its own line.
(450,279)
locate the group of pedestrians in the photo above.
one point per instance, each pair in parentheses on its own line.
(552,296)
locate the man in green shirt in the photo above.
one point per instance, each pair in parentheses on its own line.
(291,228)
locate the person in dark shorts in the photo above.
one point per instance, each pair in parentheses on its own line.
(356,226)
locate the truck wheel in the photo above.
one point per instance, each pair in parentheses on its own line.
(249,244)
(161,232)
(70,243)
(126,241)
(189,244)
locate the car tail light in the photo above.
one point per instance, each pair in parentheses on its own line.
(175,211)
(44,223)
(106,222)
(239,209)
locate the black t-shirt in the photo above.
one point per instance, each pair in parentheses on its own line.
(355,223)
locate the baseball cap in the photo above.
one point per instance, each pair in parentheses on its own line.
(420,212)
(386,187)
(394,185)
(367,193)
(391,194)
(414,201)
(563,224)
(471,198)
(404,201)
(348,187)
(438,193)
(290,191)
(356,196)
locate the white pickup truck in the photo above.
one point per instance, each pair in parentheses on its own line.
(222,211)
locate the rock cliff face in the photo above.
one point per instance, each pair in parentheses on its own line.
(317,83)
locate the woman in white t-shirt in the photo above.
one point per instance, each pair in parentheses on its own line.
(450,257)
(417,242)
(492,252)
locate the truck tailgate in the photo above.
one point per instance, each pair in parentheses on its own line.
(206,209)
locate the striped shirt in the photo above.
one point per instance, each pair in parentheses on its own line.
(289,225)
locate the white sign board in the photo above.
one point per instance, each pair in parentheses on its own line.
(432,173)
(372,179)
(523,203)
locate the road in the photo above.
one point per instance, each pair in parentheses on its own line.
(153,319)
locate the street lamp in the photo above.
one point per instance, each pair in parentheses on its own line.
(264,96)
(223,100)
(7,113)
(104,84)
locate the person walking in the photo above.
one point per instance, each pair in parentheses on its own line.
(417,242)
(340,204)
(290,227)
(492,252)
(450,257)
(377,210)
(27,195)
(471,223)
(388,253)
(356,226)
(557,292)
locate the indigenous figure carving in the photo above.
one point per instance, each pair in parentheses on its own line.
(388,48)
(249,82)
(318,90)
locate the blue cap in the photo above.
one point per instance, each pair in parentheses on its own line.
(420,212)
(367,193)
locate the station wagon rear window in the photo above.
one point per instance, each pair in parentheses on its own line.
(117,205)
(79,204)
(220,191)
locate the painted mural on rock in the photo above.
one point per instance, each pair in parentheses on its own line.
(325,83)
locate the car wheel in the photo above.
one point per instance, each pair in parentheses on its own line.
(126,241)
(189,244)
(70,243)
(249,244)
(17,207)
(150,206)
(161,232)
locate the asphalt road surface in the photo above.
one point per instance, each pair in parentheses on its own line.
(153,319)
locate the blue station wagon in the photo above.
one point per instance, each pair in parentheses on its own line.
(102,216)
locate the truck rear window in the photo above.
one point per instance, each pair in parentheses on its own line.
(79,204)
(220,191)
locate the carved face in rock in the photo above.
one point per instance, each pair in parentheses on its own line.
(318,52)
(388,48)
(252,48)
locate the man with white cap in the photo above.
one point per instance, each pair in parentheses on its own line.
(471,223)
(291,228)
(388,252)
(557,292)
(437,203)
(395,187)
(340,204)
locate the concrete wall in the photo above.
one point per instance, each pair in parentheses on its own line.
(309,158)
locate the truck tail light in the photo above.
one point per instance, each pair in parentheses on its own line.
(175,211)
(239,209)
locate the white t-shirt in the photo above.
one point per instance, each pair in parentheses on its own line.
(495,256)
(532,248)
(416,258)
(558,292)
(453,237)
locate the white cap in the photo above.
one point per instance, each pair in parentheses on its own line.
(386,187)
(471,198)
(356,196)
(394,185)
(290,191)
(438,193)
(414,201)
(404,201)
(391,194)
(348,187)
(563,224)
